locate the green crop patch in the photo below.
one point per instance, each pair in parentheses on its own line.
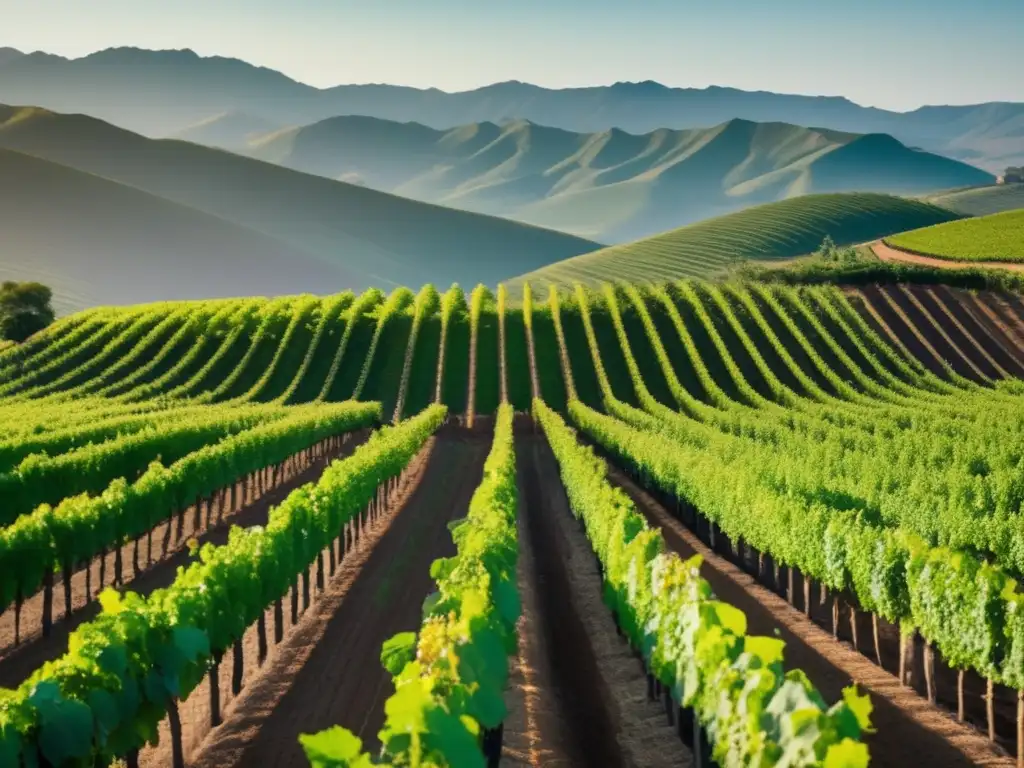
(999,237)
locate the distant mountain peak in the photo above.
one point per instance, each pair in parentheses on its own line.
(131,50)
(880,140)
(640,85)
(10,54)
(741,122)
(163,92)
(510,86)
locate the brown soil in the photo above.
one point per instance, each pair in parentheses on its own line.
(587,701)
(1003,306)
(935,332)
(904,324)
(878,315)
(909,730)
(534,732)
(948,326)
(976,312)
(888,253)
(327,671)
(156,569)
(1015,306)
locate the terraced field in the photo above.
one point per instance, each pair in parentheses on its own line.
(981,201)
(782,230)
(995,238)
(266,482)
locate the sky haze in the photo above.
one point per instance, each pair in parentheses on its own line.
(877,54)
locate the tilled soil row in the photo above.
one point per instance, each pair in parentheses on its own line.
(583,690)
(152,561)
(278,635)
(975,334)
(327,671)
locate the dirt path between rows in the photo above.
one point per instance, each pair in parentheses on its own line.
(909,731)
(327,672)
(589,703)
(888,253)
(999,337)
(17,662)
(946,333)
(892,323)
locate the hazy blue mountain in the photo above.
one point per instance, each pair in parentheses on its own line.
(87,203)
(8,55)
(228,130)
(161,93)
(609,186)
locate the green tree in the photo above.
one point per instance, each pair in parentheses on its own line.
(24,309)
(829,251)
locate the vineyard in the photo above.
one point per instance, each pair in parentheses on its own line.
(655,525)
(998,237)
(780,230)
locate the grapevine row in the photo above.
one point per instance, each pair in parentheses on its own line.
(450,678)
(734,684)
(81,527)
(141,655)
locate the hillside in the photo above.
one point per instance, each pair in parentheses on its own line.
(610,186)
(228,130)
(161,93)
(99,242)
(773,231)
(375,239)
(998,237)
(981,201)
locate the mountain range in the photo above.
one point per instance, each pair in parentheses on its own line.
(160,93)
(109,216)
(610,186)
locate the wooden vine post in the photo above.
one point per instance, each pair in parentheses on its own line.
(1020,729)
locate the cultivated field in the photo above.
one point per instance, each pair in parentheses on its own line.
(995,238)
(783,230)
(678,524)
(981,201)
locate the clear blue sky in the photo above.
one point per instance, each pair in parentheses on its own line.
(897,54)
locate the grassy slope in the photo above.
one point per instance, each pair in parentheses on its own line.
(610,186)
(999,237)
(99,242)
(774,231)
(346,227)
(981,201)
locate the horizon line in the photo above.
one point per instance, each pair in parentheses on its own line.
(483,86)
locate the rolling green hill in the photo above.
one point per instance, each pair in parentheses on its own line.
(99,242)
(775,231)
(610,186)
(981,201)
(374,238)
(998,237)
